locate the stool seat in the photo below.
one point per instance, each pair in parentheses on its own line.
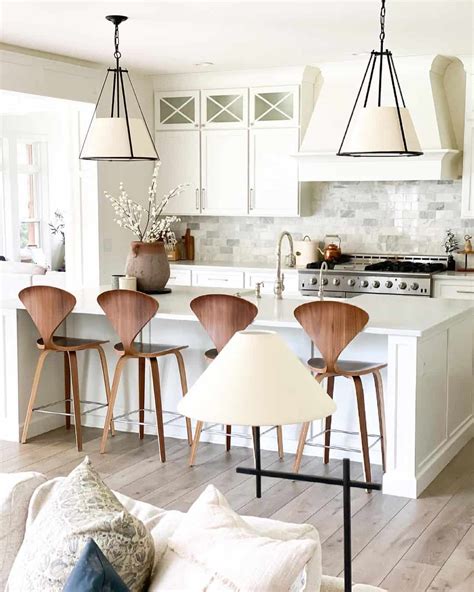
(345,367)
(150,350)
(211,354)
(71,343)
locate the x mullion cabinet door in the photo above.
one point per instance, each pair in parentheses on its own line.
(224,109)
(177,110)
(274,106)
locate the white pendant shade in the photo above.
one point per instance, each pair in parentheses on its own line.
(377,130)
(108,139)
(256,380)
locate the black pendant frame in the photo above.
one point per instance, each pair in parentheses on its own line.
(118,91)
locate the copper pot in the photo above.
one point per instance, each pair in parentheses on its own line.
(331,251)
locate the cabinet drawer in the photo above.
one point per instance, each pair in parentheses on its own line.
(268,279)
(460,290)
(218,279)
(180,277)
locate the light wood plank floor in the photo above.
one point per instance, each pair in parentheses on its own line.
(401,545)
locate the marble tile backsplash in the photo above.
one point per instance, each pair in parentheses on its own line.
(386,217)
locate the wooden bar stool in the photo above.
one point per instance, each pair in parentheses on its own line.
(128,312)
(331,327)
(48,307)
(222,316)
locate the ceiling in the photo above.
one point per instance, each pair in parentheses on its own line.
(173,36)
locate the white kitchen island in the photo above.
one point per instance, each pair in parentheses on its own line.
(429,384)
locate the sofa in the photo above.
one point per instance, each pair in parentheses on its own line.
(22,495)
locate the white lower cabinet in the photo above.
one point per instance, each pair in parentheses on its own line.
(217,278)
(459,289)
(180,163)
(224,183)
(273,182)
(268,279)
(179,277)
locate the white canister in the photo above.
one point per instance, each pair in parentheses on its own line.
(128,283)
(306,251)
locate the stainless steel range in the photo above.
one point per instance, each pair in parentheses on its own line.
(408,275)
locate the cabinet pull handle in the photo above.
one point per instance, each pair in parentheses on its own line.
(251,199)
(204,204)
(211,279)
(197,198)
(465,291)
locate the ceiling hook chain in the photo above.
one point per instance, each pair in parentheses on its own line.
(382,21)
(117,54)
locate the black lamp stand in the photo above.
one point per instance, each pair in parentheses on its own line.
(346,482)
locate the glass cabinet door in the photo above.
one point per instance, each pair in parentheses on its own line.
(177,110)
(227,108)
(274,106)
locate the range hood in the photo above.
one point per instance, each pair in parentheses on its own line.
(434,91)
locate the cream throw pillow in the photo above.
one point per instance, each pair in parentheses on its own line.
(232,553)
(81,507)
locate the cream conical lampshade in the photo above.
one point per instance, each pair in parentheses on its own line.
(256,380)
(108,139)
(377,130)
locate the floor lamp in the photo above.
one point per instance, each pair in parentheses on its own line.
(256,380)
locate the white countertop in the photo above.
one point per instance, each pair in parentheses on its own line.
(232,266)
(454,275)
(389,315)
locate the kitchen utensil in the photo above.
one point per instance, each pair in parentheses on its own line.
(331,251)
(306,251)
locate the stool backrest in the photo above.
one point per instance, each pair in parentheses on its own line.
(128,312)
(47,307)
(223,315)
(331,326)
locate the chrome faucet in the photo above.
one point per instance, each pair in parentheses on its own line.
(324,267)
(280,277)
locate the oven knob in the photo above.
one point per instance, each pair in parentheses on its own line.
(376,284)
(351,282)
(336,281)
(402,285)
(414,286)
(364,284)
(388,284)
(325,281)
(313,281)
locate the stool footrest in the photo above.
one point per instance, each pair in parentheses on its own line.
(210,430)
(121,418)
(333,447)
(44,408)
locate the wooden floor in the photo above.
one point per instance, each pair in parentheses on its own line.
(399,544)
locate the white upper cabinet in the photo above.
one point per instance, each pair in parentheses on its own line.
(273,182)
(224,184)
(180,163)
(468,161)
(274,106)
(177,110)
(225,108)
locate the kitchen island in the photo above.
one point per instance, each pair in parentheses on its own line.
(429,384)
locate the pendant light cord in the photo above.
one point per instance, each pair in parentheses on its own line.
(382,39)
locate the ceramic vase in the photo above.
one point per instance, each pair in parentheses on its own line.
(149,264)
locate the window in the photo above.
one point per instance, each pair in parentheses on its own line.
(29,193)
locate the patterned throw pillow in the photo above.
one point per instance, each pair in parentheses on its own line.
(93,573)
(81,508)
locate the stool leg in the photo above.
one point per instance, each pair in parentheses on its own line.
(184,390)
(363,426)
(280,442)
(67,390)
(105,373)
(228,438)
(197,435)
(34,392)
(76,400)
(301,444)
(155,373)
(141,396)
(328,422)
(381,412)
(113,396)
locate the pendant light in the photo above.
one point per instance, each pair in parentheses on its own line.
(380,130)
(120,137)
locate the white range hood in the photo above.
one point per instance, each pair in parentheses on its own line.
(434,92)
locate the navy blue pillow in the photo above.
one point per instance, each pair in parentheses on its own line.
(94,573)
